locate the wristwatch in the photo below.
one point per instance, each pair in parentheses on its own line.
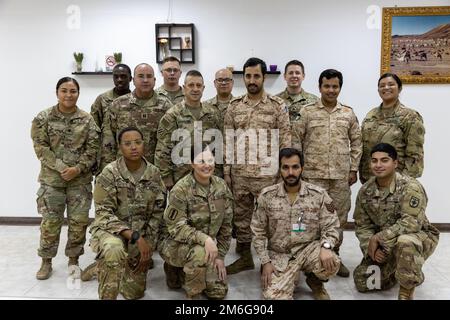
(326,245)
(134,237)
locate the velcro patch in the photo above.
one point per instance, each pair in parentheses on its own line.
(414,202)
(173,213)
(330,207)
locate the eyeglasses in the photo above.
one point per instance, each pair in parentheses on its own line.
(171,70)
(128,144)
(223,80)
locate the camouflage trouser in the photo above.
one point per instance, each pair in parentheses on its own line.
(339,191)
(199,276)
(51,204)
(115,267)
(282,286)
(403,265)
(246,191)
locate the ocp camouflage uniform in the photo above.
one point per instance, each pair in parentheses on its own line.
(403,129)
(295,102)
(174,97)
(62,141)
(289,251)
(121,203)
(397,216)
(180,117)
(331,144)
(130,111)
(249,179)
(191,216)
(101,106)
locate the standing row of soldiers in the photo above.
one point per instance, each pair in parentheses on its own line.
(128,143)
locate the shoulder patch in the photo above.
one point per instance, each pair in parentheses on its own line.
(414,202)
(173,213)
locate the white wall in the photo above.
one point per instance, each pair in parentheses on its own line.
(36,50)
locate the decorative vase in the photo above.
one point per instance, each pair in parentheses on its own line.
(79,67)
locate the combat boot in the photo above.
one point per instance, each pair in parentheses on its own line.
(89,272)
(406,294)
(46,269)
(73,261)
(173,280)
(245,262)
(317,287)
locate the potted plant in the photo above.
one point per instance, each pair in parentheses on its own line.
(118,57)
(79,59)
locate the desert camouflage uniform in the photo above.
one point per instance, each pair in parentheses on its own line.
(291,251)
(397,215)
(249,179)
(62,141)
(121,203)
(180,117)
(130,111)
(296,102)
(402,128)
(331,143)
(191,216)
(175,98)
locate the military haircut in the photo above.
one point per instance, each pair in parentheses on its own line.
(387,148)
(290,152)
(140,64)
(329,74)
(67,79)
(253,62)
(122,65)
(193,73)
(294,63)
(127,129)
(171,59)
(394,76)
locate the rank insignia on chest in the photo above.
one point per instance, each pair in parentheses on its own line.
(414,202)
(172,214)
(144,116)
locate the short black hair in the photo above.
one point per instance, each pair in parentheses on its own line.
(294,63)
(253,62)
(127,129)
(329,74)
(67,79)
(392,75)
(195,152)
(387,148)
(122,65)
(193,73)
(290,152)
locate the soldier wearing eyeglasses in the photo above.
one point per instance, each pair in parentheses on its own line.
(171,72)
(223,83)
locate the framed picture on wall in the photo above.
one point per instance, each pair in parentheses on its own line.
(415,43)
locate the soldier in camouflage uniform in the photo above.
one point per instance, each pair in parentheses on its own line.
(262,114)
(142,108)
(66,141)
(190,115)
(393,123)
(198,219)
(329,135)
(294,227)
(390,222)
(171,72)
(294,95)
(129,201)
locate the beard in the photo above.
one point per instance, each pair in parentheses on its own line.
(290,183)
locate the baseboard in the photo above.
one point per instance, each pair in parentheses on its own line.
(35,221)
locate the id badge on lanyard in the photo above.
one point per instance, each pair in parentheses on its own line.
(299,226)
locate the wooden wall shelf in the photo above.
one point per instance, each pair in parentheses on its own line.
(175,35)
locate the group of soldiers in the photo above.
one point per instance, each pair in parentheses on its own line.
(146,200)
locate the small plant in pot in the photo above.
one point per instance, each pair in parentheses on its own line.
(79,59)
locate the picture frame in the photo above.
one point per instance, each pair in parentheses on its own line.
(415,43)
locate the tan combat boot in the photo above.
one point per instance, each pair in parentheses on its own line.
(46,269)
(245,262)
(173,280)
(317,287)
(89,272)
(406,294)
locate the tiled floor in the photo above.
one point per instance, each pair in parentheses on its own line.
(19,263)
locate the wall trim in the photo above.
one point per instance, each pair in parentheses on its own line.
(35,221)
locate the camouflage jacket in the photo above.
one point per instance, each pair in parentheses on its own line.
(274,238)
(127,111)
(331,142)
(180,117)
(192,215)
(179,97)
(295,103)
(403,129)
(242,119)
(121,203)
(63,141)
(221,108)
(101,105)
(397,211)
